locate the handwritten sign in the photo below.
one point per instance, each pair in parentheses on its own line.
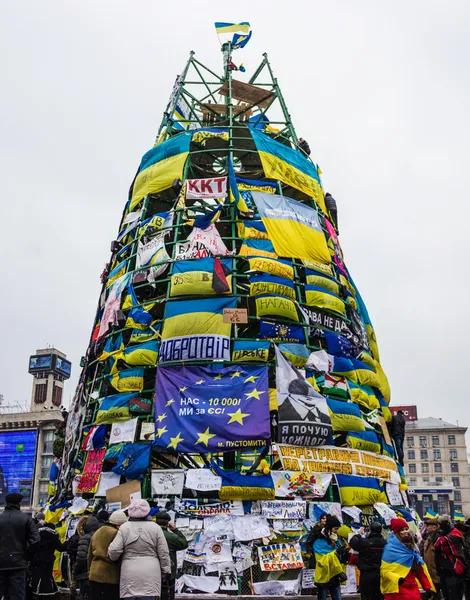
(284,509)
(347,461)
(280,557)
(167,482)
(203,480)
(235,315)
(230,507)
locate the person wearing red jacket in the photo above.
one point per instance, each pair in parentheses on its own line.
(402,566)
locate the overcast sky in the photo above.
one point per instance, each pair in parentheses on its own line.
(379,89)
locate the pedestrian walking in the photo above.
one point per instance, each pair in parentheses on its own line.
(329,554)
(429,553)
(42,582)
(450,559)
(103,573)
(176,541)
(402,566)
(145,556)
(370,550)
(81,566)
(19,537)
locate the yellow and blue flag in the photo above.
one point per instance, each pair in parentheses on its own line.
(196,277)
(293,227)
(289,166)
(261,285)
(195,330)
(235,195)
(113,409)
(256,247)
(112,347)
(297,354)
(364,440)
(321,281)
(431,514)
(363,395)
(345,416)
(236,486)
(359,491)
(160,166)
(140,355)
(116,273)
(328,564)
(320,298)
(249,230)
(145,335)
(129,380)
(250,351)
(458,515)
(241,33)
(138,318)
(397,560)
(276,306)
(278,268)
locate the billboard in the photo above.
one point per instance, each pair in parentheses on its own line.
(62,366)
(40,362)
(17,462)
(410,412)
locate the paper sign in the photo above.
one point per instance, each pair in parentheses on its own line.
(350,586)
(284,509)
(393,494)
(330,508)
(280,557)
(182,522)
(113,506)
(218,552)
(269,588)
(385,512)
(354,512)
(219,525)
(123,431)
(167,482)
(228,581)
(230,507)
(203,480)
(147,432)
(107,480)
(250,527)
(209,585)
(136,496)
(235,315)
(307,578)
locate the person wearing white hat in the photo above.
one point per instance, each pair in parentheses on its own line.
(145,555)
(104,573)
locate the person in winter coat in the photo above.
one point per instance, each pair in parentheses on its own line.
(42,581)
(18,537)
(329,554)
(176,541)
(398,434)
(81,566)
(450,559)
(370,550)
(429,553)
(145,555)
(102,516)
(103,573)
(330,204)
(465,530)
(314,533)
(72,546)
(402,566)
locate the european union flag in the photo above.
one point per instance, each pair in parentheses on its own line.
(133,460)
(211,409)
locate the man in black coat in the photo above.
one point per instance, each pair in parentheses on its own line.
(370,551)
(18,536)
(398,434)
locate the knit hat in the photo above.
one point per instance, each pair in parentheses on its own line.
(118,517)
(332,521)
(14,498)
(397,525)
(102,515)
(138,509)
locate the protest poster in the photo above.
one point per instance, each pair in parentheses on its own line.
(147,432)
(295,483)
(91,472)
(218,552)
(202,480)
(393,494)
(123,431)
(250,527)
(280,557)
(219,525)
(307,579)
(167,482)
(228,581)
(229,507)
(345,461)
(214,187)
(350,586)
(385,512)
(284,509)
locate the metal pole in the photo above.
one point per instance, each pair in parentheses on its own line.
(281,101)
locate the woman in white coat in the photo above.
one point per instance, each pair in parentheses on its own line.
(144,551)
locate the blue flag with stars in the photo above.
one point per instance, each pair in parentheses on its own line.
(211,409)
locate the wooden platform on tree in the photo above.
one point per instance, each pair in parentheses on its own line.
(245,92)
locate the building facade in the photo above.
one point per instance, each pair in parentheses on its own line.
(27,437)
(436,465)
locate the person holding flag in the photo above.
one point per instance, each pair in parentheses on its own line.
(402,566)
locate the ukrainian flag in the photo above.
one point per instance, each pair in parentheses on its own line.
(113,409)
(315,296)
(130,380)
(458,515)
(293,227)
(263,284)
(431,514)
(160,166)
(248,351)
(145,354)
(252,230)
(320,281)
(138,318)
(397,560)
(327,561)
(278,268)
(243,27)
(290,166)
(364,440)
(276,306)
(111,347)
(364,395)
(235,195)
(258,248)
(386,412)
(116,273)
(195,277)
(297,354)
(359,491)
(345,416)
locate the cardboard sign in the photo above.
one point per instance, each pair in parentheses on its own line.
(383,427)
(122,493)
(235,315)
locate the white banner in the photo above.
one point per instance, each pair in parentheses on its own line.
(284,509)
(215,187)
(203,480)
(167,482)
(296,483)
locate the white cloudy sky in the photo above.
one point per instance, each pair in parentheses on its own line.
(379,89)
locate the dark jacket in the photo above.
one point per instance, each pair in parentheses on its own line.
(176,541)
(18,535)
(398,426)
(370,551)
(49,542)
(81,566)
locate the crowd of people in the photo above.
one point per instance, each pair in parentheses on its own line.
(131,556)
(110,556)
(396,568)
